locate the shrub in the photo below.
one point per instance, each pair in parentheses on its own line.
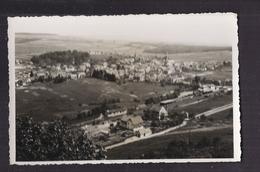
(39,141)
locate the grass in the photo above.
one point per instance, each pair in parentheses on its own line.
(158,144)
(210,103)
(223,74)
(202,56)
(223,115)
(45,100)
(175,49)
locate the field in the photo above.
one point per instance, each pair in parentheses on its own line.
(205,105)
(46,100)
(158,145)
(225,73)
(28,45)
(176,49)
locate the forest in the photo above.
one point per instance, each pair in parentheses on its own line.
(68,57)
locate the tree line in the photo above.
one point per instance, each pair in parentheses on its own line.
(63,57)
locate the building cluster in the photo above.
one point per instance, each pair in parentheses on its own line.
(55,72)
(126,126)
(130,68)
(153,69)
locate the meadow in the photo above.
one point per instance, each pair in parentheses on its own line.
(45,101)
(157,146)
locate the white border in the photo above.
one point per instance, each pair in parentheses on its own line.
(236,110)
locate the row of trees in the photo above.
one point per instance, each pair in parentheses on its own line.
(41,141)
(63,57)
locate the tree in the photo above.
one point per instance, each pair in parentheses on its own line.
(41,141)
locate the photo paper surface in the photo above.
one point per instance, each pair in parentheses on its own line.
(124,89)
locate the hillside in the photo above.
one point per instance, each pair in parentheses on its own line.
(28,45)
(44,101)
(176,49)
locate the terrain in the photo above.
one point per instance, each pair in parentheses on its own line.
(157,147)
(44,100)
(201,138)
(27,45)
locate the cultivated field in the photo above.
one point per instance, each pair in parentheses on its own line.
(28,45)
(208,104)
(157,145)
(44,100)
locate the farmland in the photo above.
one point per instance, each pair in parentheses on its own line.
(203,106)
(157,146)
(44,100)
(28,45)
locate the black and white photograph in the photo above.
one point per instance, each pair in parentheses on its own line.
(124,89)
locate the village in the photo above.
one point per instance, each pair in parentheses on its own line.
(126,87)
(114,124)
(118,125)
(128,69)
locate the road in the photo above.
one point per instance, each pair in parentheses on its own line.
(216,110)
(211,128)
(134,139)
(207,113)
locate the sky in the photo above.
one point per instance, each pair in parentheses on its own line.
(193,29)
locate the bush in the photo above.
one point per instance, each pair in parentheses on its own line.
(39,141)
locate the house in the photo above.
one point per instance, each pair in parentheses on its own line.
(82,68)
(70,68)
(97,130)
(144,132)
(160,112)
(73,76)
(185,94)
(131,122)
(40,75)
(208,88)
(81,75)
(141,107)
(116,112)
(163,113)
(53,73)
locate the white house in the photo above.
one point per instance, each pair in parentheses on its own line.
(116,112)
(163,113)
(144,132)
